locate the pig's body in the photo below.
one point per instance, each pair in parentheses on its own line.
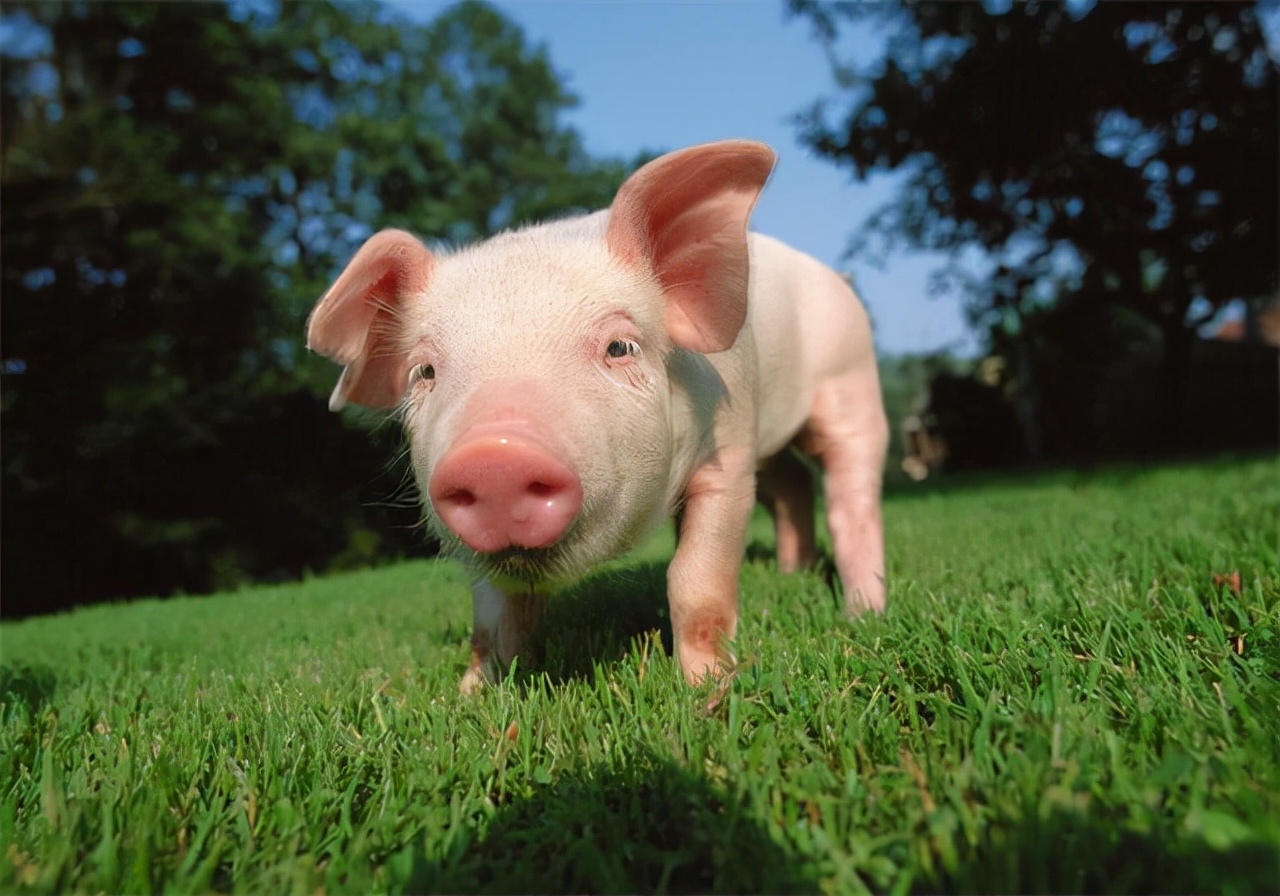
(810,331)
(820,390)
(569,386)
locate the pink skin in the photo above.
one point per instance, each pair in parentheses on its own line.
(496,487)
(567,387)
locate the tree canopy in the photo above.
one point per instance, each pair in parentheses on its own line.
(180,184)
(1107,159)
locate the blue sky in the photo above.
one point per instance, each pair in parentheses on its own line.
(663,75)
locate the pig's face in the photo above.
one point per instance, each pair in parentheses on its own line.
(532,369)
(554,352)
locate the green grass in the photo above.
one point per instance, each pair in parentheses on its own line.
(1060,698)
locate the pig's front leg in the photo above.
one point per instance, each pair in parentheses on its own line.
(702,580)
(505,623)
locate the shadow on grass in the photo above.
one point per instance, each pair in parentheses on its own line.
(26,686)
(1070,852)
(648,828)
(760,552)
(824,566)
(599,619)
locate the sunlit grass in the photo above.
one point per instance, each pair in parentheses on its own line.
(1062,697)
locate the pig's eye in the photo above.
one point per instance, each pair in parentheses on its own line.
(423,374)
(623,348)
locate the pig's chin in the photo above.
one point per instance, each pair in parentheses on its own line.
(530,566)
(533,566)
(582,548)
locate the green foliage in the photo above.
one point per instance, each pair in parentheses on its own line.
(181,183)
(1061,698)
(1109,159)
(1150,161)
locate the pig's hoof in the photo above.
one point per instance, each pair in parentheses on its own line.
(858,601)
(706,666)
(473,681)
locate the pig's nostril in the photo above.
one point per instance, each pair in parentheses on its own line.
(460,497)
(496,493)
(543,490)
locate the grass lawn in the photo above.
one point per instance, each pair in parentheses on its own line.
(1068,693)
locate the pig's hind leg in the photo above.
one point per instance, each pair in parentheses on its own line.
(784,486)
(847,431)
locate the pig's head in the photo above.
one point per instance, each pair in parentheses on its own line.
(531,369)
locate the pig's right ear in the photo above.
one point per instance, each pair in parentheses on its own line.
(354,322)
(684,216)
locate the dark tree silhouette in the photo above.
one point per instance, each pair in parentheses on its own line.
(1117,155)
(180,182)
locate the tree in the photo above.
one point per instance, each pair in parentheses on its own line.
(1119,156)
(180,182)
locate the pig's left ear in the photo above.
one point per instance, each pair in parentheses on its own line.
(354,322)
(684,215)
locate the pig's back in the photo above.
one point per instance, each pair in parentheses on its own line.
(808,327)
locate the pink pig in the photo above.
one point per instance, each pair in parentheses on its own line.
(567,387)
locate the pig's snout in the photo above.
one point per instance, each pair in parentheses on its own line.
(496,491)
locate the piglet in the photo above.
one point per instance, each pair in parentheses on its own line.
(569,386)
